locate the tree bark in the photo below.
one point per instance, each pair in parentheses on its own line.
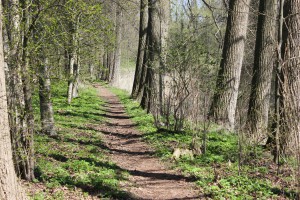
(289,82)
(73,57)
(139,78)
(150,94)
(46,109)
(20,101)
(9,186)
(157,33)
(75,88)
(225,98)
(28,143)
(257,122)
(117,52)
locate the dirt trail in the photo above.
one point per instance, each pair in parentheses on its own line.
(149,178)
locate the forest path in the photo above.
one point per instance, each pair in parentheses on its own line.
(149,178)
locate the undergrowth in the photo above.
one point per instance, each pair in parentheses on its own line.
(75,158)
(217,172)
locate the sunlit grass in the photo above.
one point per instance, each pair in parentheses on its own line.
(76,156)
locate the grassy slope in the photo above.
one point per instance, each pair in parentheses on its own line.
(75,159)
(216,172)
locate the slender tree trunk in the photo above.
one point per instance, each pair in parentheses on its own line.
(71,78)
(117,53)
(104,74)
(111,49)
(138,77)
(73,58)
(9,186)
(225,98)
(92,72)
(28,171)
(142,81)
(257,122)
(76,78)
(46,109)
(274,139)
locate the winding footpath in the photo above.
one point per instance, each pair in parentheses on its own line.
(149,178)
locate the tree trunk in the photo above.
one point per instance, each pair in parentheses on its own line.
(290,78)
(112,9)
(76,79)
(117,52)
(155,57)
(150,94)
(20,101)
(28,144)
(111,66)
(104,74)
(9,186)
(164,31)
(225,98)
(71,78)
(73,57)
(46,109)
(138,77)
(257,122)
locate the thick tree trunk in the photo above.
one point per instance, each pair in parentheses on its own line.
(46,109)
(155,57)
(164,31)
(257,122)
(16,102)
(290,78)
(150,94)
(225,98)
(138,77)
(9,186)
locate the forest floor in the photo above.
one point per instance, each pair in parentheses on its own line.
(99,153)
(149,178)
(107,147)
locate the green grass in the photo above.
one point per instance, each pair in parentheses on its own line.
(216,172)
(76,157)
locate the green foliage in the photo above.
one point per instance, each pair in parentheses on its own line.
(76,156)
(240,187)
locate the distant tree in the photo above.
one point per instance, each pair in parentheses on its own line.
(227,88)
(264,60)
(118,41)
(74,16)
